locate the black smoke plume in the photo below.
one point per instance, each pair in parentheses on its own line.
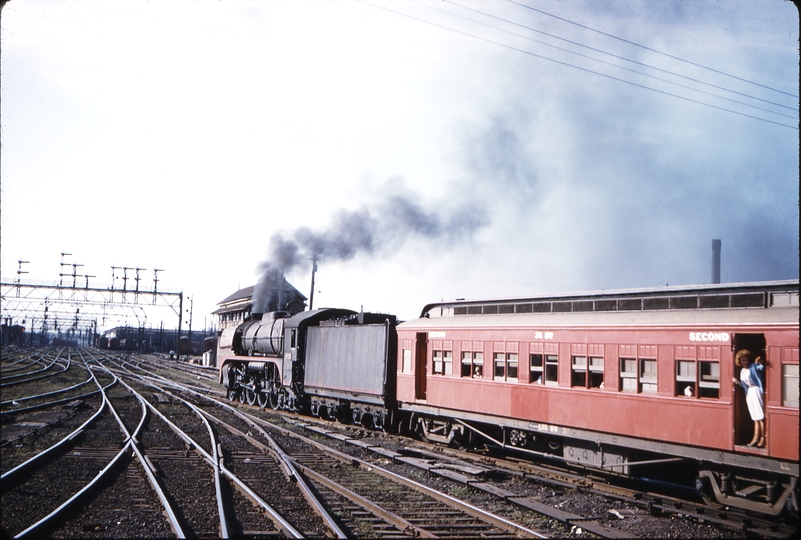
(370,231)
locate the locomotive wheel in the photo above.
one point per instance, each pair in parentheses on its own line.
(251,396)
(232,394)
(276,400)
(367,421)
(242,396)
(263,398)
(356,416)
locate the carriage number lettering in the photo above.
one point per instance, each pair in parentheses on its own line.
(543,335)
(544,428)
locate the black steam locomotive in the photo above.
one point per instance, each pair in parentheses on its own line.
(333,363)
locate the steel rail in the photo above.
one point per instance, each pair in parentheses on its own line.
(168,509)
(284,526)
(469,509)
(210,459)
(287,465)
(216,455)
(39,377)
(36,527)
(56,402)
(403,525)
(27,465)
(28,373)
(281,456)
(478,513)
(46,394)
(9,366)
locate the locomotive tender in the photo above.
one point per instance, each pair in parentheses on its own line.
(634,382)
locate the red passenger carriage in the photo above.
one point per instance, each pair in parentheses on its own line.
(628,382)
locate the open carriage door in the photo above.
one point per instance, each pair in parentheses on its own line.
(420,371)
(743,425)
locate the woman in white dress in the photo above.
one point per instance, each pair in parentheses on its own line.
(752,384)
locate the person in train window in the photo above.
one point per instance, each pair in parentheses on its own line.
(752,384)
(477,372)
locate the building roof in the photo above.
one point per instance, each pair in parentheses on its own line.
(244,297)
(241,294)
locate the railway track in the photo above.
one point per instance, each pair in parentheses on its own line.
(32,501)
(193,464)
(606,510)
(411,508)
(578,501)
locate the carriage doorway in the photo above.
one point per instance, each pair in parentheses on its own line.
(743,425)
(420,372)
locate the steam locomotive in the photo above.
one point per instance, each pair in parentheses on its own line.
(336,363)
(636,382)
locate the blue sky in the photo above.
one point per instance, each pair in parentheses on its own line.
(485,149)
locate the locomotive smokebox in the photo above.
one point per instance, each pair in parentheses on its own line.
(716,244)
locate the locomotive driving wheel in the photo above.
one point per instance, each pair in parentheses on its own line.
(232,394)
(277,399)
(251,396)
(263,398)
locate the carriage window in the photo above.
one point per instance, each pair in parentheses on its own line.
(596,372)
(536,369)
(709,380)
(472,364)
(551,371)
(648,376)
(407,361)
(628,375)
(790,385)
(478,365)
(579,377)
(443,363)
(704,383)
(437,363)
(685,378)
(500,366)
(511,366)
(505,366)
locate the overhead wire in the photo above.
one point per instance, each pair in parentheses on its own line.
(587,70)
(619,57)
(649,48)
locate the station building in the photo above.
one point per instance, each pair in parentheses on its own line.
(237,308)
